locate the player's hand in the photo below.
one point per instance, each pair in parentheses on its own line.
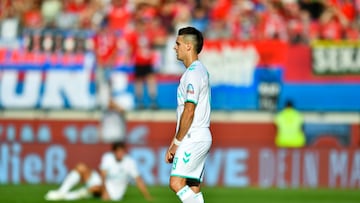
(170,154)
(105,196)
(169,157)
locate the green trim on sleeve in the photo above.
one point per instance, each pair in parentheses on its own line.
(191,101)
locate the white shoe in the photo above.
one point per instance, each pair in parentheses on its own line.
(83,193)
(54,195)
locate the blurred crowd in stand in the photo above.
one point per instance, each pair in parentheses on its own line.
(295,21)
(141,33)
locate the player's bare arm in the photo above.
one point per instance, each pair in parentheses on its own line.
(143,189)
(185,122)
(104,193)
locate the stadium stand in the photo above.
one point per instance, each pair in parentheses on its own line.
(259,54)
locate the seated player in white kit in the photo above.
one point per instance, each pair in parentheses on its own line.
(116,171)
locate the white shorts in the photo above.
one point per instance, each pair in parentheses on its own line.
(116,189)
(94,180)
(189,159)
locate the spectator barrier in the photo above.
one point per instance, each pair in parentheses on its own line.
(243,153)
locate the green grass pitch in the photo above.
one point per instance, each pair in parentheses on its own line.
(35,194)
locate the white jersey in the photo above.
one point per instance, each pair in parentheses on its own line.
(118,174)
(195,87)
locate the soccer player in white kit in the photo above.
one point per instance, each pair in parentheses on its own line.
(116,171)
(192,141)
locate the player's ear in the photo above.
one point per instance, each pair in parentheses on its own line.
(189,46)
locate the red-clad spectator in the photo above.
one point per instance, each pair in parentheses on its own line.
(175,14)
(145,11)
(75,6)
(4,7)
(158,32)
(105,47)
(119,15)
(219,9)
(331,30)
(182,16)
(332,24)
(82,9)
(314,31)
(346,7)
(349,10)
(297,22)
(32,18)
(142,50)
(242,20)
(352,32)
(218,28)
(357,6)
(272,24)
(123,51)
(159,40)
(13,8)
(167,14)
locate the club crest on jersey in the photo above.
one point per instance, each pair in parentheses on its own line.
(190,89)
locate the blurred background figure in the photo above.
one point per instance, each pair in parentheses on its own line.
(218,28)
(289,124)
(112,123)
(10,23)
(105,53)
(242,20)
(32,18)
(113,120)
(200,18)
(272,22)
(297,22)
(50,10)
(116,168)
(119,13)
(143,53)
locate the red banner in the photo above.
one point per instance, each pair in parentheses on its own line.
(243,154)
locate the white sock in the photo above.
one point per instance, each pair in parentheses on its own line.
(186,195)
(77,194)
(200,198)
(72,179)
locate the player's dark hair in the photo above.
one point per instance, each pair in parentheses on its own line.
(196,33)
(118,145)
